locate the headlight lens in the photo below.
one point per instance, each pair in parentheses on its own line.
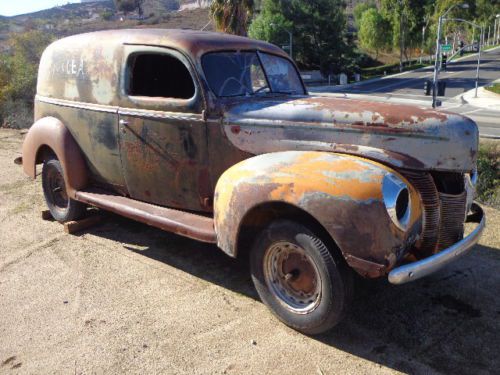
(397,200)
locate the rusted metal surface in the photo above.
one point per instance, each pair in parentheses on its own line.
(87,67)
(325,156)
(96,134)
(400,135)
(186,224)
(51,133)
(429,196)
(343,193)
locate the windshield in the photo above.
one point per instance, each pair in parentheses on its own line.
(250,73)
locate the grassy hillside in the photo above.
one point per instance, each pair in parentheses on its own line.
(84,17)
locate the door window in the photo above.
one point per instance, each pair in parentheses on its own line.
(159,75)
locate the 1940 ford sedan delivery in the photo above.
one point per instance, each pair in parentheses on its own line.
(215,137)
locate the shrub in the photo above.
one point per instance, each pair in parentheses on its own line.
(17,114)
(107,15)
(488,165)
(18,73)
(495,88)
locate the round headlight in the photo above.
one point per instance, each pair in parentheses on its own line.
(397,200)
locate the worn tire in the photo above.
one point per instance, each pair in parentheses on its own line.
(331,295)
(61,207)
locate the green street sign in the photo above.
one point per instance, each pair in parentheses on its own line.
(446,47)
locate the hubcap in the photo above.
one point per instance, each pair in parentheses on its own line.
(292,276)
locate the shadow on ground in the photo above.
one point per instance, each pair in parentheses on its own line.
(447,322)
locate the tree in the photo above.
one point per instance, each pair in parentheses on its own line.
(22,64)
(107,15)
(232,16)
(359,9)
(18,73)
(406,18)
(318,28)
(127,6)
(373,33)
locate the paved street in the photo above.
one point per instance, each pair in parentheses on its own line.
(460,77)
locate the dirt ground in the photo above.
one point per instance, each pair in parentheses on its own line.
(123,297)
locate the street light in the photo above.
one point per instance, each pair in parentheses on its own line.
(290,35)
(438,50)
(481,41)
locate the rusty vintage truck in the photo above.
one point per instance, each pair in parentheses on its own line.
(216,138)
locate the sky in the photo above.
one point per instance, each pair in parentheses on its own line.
(14,7)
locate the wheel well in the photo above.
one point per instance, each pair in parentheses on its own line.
(43,153)
(262,215)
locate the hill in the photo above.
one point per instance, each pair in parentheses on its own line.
(101,15)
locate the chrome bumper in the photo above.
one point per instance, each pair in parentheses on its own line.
(416,270)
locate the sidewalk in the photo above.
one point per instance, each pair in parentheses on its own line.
(485,99)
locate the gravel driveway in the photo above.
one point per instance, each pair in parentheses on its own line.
(123,297)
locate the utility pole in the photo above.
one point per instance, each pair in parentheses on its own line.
(436,63)
(497,29)
(423,41)
(495,32)
(480,44)
(401,36)
(479,59)
(438,51)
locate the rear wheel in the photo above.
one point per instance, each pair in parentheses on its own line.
(299,279)
(61,206)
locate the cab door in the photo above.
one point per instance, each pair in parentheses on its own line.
(163,136)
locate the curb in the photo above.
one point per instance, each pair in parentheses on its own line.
(361,83)
(475,54)
(466,98)
(365,82)
(489,136)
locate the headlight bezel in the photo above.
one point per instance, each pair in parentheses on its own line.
(397,199)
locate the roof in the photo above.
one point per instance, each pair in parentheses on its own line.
(193,42)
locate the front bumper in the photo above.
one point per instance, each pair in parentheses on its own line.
(416,270)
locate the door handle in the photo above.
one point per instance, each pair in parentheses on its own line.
(123,126)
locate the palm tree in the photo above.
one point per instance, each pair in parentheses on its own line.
(232,16)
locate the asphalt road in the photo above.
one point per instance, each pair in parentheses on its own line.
(460,77)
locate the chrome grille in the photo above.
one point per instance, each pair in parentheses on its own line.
(424,184)
(452,218)
(443,215)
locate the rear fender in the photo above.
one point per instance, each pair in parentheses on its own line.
(51,132)
(342,192)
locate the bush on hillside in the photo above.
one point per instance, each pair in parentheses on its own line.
(18,74)
(488,165)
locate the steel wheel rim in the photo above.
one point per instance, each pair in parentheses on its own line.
(57,189)
(293,277)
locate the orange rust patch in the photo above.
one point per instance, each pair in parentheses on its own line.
(383,113)
(306,175)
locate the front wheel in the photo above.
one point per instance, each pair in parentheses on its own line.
(299,279)
(61,206)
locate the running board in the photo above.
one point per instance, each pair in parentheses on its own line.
(186,224)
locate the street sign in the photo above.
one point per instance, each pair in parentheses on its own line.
(446,47)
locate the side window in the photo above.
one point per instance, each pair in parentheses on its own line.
(159,75)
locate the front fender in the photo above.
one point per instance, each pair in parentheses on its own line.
(342,192)
(51,132)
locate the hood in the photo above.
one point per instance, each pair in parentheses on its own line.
(400,135)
